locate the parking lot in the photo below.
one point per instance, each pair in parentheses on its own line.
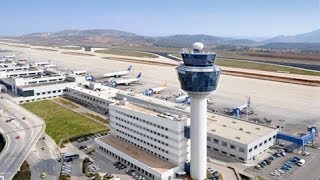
(285,167)
(100,162)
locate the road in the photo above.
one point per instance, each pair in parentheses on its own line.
(20,136)
(43,158)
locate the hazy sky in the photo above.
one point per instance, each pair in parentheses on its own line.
(235,18)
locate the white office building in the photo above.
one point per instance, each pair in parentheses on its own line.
(149,130)
(240,140)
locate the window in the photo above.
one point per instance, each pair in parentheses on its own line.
(242,149)
(274,136)
(216,141)
(260,144)
(269,139)
(223,152)
(250,150)
(223,143)
(232,155)
(265,141)
(38,94)
(232,146)
(208,139)
(255,147)
(241,158)
(216,149)
(208,147)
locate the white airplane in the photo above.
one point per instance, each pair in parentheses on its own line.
(156,90)
(183,99)
(118,74)
(12,56)
(116,82)
(42,63)
(50,65)
(243,109)
(79,72)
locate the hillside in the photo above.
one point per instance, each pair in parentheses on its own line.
(310,37)
(106,37)
(95,37)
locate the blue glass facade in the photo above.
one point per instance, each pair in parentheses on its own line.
(199,60)
(199,81)
(198,73)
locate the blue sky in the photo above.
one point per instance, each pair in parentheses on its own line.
(233,18)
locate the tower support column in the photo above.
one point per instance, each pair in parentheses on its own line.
(198,134)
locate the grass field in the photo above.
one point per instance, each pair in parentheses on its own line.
(263,67)
(126,53)
(96,117)
(62,123)
(67,103)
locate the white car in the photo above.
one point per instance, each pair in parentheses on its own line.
(301,162)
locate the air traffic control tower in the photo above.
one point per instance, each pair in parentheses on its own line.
(198,76)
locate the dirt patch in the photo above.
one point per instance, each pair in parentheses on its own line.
(77,54)
(141,61)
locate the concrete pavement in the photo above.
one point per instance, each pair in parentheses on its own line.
(21,134)
(44,159)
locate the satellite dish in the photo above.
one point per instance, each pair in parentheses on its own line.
(198,46)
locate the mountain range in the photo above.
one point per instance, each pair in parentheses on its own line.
(107,37)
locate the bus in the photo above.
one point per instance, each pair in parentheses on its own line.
(68,156)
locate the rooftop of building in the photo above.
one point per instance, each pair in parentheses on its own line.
(237,130)
(142,156)
(151,110)
(105,93)
(147,100)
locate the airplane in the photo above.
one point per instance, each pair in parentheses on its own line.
(12,56)
(126,82)
(118,74)
(79,72)
(183,99)
(243,109)
(156,90)
(50,65)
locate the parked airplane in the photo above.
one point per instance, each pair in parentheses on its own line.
(118,74)
(115,82)
(12,56)
(183,99)
(243,109)
(50,65)
(156,90)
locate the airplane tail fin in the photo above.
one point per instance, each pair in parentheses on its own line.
(139,76)
(129,68)
(165,84)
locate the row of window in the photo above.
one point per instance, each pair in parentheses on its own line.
(264,142)
(49,92)
(81,101)
(142,147)
(144,135)
(132,166)
(83,95)
(225,144)
(44,81)
(142,120)
(143,128)
(225,153)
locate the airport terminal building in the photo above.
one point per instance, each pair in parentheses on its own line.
(240,140)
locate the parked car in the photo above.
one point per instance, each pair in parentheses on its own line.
(271,158)
(258,167)
(301,162)
(306,153)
